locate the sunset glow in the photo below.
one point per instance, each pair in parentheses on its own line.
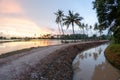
(28,18)
(20,27)
(13,21)
(10,7)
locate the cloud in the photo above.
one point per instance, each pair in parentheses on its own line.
(21,27)
(13,25)
(10,7)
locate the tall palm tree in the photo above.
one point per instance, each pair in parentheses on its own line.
(86,27)
(58,26)
(99,28)
(96,27)
(82,26)
(59,17)
(72,19)
(91,29)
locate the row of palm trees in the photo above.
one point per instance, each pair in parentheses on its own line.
(67,20)
(73,19)
(98,28)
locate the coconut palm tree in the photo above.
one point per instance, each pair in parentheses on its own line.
(82,26)
(59,17)
(58,26)
(99,28)
(96,27)
(91,29)
(72,19)
(86,27)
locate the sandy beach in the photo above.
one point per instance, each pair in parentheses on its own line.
(36,63)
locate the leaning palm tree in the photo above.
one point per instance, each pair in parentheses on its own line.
(91,29)
(72,19)
(86,27)
(59,17)
(99,28)
(58,26)
(96,27)
(82,26)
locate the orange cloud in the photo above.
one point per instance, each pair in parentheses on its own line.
(10,7)
(21,27)
(17,26)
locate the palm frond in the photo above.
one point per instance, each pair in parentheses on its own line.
(71,19)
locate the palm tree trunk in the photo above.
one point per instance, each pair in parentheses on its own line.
(100,34)
(73,28)
(86,34)
(59,29)
(83,34)
(73,31)
(62,33)
(91,32)
(96,35)
(62,29)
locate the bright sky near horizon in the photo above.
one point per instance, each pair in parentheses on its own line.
(30,17)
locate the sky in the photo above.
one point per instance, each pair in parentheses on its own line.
(34,17)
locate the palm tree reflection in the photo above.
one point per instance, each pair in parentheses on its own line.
(92,65)
(105,71)
(100,50)
(95,56)
(81,56)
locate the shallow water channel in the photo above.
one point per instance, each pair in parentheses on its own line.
(92,65)
(13,46)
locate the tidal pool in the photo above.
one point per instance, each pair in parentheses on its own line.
(92,65)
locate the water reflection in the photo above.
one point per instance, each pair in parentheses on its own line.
(92,65)
(100,50)
(13,46)
(95,56)
(105,71)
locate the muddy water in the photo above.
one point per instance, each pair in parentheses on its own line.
(13,46)
(92,65)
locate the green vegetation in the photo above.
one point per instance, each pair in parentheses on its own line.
(82,26)
(117,36)
(108,13)
(1,37)
(112,53)
(99,28)
(72,19)
(84,37)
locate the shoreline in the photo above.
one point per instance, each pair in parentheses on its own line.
(59,66)
(47,63)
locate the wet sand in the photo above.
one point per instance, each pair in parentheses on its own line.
(45,63)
